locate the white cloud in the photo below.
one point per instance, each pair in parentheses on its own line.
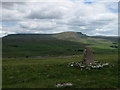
(103,29)
(82,27)
(38,25)
(1,27)
(51,17)
(1,32)
(59,0)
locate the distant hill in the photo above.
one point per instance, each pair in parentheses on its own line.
(111,38)
(69,36)
(65,43)
(80,37)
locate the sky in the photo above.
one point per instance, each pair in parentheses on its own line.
(91,17)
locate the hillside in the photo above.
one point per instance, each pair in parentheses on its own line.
(110,38)
(69,36)
(66,43)
(72,36)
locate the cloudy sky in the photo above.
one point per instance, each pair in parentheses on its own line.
(91,17)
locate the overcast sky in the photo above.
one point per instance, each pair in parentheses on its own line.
(91,17)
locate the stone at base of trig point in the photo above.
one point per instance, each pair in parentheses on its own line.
(88,56)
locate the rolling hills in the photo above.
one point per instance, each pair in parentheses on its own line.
(65,43)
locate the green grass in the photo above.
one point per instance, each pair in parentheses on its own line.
(39,48)
(45,73)
(32,47)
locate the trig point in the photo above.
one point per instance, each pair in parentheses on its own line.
(88,56)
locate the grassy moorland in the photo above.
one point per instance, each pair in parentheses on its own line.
(46,73)
(40,48)
(31,72)
(68,43)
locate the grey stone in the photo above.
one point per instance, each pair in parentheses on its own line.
(88,56)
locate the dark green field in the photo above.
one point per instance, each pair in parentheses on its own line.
(46,72)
